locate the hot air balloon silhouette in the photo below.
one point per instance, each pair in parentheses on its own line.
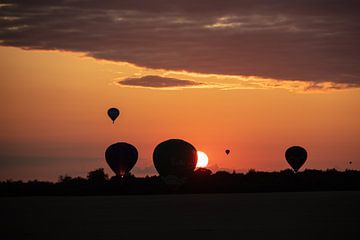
(121,157)
(175,157)
(296,157)
(227,151)
(113,113)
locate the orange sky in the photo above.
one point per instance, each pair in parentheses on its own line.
(54,121)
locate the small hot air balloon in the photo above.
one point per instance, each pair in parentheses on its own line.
(296,157)
(121,157)
(113,113)
(175,157)
(227,151)
(350,162)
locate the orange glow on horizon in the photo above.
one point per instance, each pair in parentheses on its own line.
(55,107)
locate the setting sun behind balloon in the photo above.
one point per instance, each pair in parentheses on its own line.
(202,159)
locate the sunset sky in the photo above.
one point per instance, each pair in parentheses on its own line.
(249,76)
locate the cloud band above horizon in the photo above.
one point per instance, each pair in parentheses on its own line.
(315,41)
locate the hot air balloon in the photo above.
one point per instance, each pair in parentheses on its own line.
(296,157)
(113,113)
(227,151)
(121,157)
(175,157)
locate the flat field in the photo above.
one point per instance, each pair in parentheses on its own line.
(300,215)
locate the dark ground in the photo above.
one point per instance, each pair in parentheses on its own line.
(301,215)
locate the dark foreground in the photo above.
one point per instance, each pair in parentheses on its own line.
(301,215)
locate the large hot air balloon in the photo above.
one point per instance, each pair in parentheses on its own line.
(227,151)
(121,157)
(175,157)
(113,113)
(296,157)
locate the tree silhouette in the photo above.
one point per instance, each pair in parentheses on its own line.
(201,181)
(97,176)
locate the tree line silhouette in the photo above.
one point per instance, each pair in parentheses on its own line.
(201,181)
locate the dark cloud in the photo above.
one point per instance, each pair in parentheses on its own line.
(158,82)
(296,40)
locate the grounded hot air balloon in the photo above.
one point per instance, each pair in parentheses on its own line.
(175,157)
(121,157)
(227,151)
(296,157)
(113,113)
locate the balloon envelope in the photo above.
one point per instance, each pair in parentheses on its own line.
(227,151)
(175,157)
(121,157)
(113,113)
(296,157)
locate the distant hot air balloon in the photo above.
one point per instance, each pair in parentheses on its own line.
(227,151)
(121,157)
(350,162)
(113,113)
(296,157)
(175,157)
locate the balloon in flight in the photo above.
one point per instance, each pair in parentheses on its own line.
(121,157)
(113,113)
(227,151)
(296,157)
(175,157)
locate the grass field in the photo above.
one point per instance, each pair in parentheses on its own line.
(302,215)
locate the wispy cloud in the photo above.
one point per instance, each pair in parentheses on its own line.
(173,80)
(152,81)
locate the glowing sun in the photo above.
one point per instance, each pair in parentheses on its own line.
(202,159)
